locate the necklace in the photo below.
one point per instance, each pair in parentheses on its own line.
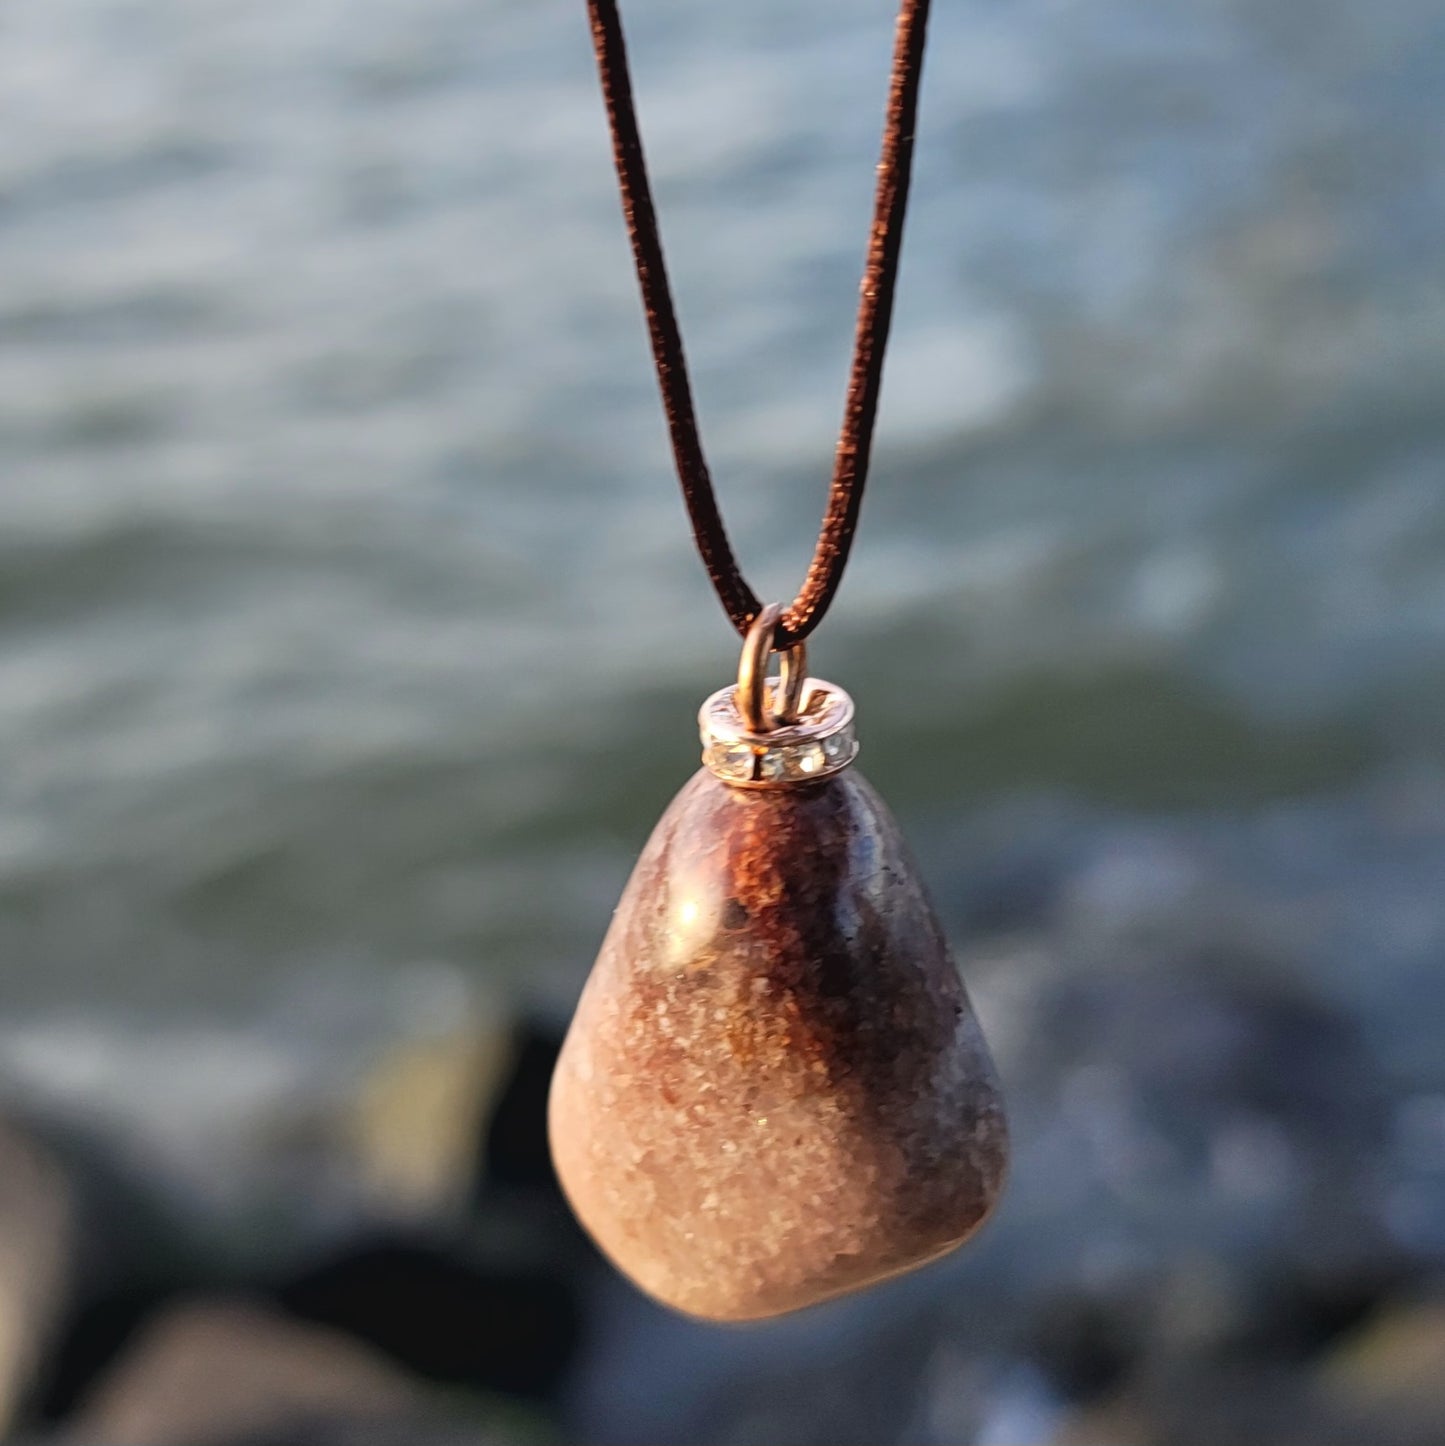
(774,1090)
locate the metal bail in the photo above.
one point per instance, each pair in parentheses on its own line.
(797,731)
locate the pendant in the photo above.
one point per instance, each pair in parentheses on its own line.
(774,1090)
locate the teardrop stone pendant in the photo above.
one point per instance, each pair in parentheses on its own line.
(774,1090)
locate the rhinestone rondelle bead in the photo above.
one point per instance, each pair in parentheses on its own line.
(819,744)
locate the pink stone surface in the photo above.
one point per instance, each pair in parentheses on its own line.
(774,1090)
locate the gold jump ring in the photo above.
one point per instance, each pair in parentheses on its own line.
(752,694)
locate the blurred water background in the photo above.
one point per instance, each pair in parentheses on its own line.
(350,636)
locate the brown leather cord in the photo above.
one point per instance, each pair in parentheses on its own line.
(875,310)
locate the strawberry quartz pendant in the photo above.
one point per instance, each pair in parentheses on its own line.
(774,1090)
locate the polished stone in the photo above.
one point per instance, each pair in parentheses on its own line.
(774,1090)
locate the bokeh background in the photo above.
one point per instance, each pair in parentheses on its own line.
(350,642)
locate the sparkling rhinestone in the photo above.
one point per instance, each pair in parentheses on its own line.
(840,745)
(804,760)
(733,759)
(773,765)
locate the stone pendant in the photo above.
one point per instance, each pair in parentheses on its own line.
(774,1090)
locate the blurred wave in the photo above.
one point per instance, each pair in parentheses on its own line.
(346,613)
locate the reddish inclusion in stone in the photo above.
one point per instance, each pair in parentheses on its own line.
(774,1090)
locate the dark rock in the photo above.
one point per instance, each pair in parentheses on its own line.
(447,1316)
(1263,1404)
(97,1329)
(1084,1347)
(514,1153)
(38,1258)
(139,1245)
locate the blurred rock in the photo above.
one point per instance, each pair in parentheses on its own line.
(1383,1384)
(1203,1408)
(456,1119)
(37,1260)
(1199,1139)
(427,1430)
(1391,1371)
(490,1298)
(139,1241)
(219,1371)
(421,1111)
(1113,1423)
(1213,1148)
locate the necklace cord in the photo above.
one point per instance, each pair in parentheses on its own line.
(875,312)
